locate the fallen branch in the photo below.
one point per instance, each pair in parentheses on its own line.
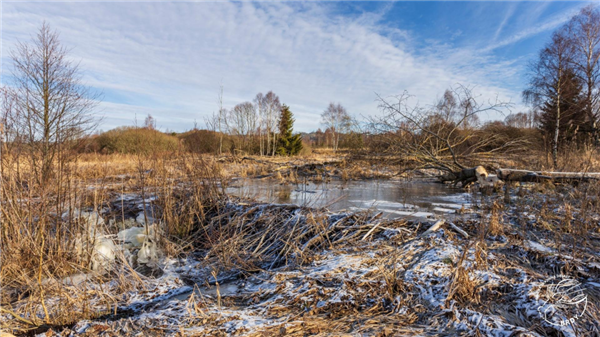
(460,230)
(434,228)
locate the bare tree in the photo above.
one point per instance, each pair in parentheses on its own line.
(451,111)
(220,120)
(337,119)
(242,122)
(428,139)
(150,122)
(8,120)
(259,102)
(549,81)
(52,107)
(273,108)
(268,107)
(519,120)
(584,36)
(448,106)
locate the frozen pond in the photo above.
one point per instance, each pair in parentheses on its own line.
(394,198)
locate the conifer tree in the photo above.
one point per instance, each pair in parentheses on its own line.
(572,122)
(289,144)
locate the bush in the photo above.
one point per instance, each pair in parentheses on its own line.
(134,140)
(205,141)
(499,133)
(306,149)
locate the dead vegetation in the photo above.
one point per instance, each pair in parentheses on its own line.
(257,269)
(261,269)
(149,242)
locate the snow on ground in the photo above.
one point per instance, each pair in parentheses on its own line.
(398,278)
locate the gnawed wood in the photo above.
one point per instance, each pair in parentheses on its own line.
(467,176)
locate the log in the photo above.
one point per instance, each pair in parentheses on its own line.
(480,175)
(540,176)
(467,176)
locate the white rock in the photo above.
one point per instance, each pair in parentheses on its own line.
(102,252)
(131,236)
(135,236)
(91,218)
(103,256)
(148,254)
(142,221)
(76,279)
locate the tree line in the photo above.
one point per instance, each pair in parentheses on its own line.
(563,89)
(263,126)
(48,113)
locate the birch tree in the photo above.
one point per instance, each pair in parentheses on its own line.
(242,122)
(549,81)
(269,107)
(584,33)
(260,104)
(337,119)
(51,105)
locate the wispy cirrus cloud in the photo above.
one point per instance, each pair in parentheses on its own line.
(534,29)
(169,59)
(509,13)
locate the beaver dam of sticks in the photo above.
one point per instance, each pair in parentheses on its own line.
(255,269)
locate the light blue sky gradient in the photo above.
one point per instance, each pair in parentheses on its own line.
(168,59)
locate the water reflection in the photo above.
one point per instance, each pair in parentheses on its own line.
(394,198)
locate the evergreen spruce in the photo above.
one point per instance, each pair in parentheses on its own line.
(289,144)
(573,122)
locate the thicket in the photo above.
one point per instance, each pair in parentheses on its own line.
(135,140)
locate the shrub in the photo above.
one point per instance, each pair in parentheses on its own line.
(134,140)
(205,141)
(498,134)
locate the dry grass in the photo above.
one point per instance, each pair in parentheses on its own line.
(495,226)
(42,228)
(241,238)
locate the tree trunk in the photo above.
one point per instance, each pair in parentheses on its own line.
(556,130)
(533,176)
(466,176)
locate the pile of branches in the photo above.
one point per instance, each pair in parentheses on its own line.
(263,236)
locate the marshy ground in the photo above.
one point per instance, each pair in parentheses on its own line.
(435,261)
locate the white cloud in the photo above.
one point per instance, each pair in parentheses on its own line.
(533,29)
(168,59)
(509,13)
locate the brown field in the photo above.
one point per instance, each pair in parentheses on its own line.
(260,269)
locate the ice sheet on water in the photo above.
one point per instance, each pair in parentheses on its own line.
(455,198)
(386,204)
(444,210)
(412,214)
(450,205)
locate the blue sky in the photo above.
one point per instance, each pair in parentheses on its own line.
(168,59)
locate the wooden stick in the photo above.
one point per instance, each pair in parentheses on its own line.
(434,228)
